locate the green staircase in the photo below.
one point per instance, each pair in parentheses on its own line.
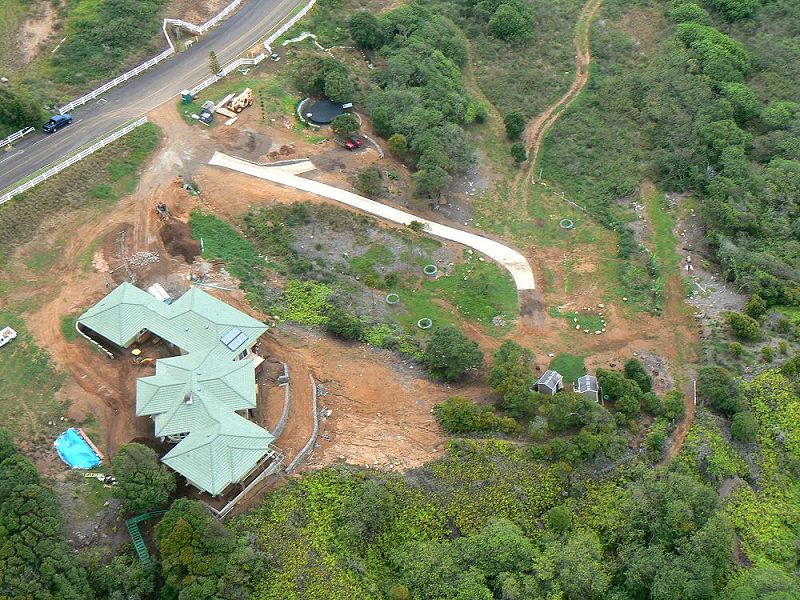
(136,536)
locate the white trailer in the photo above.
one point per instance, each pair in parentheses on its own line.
(6,335)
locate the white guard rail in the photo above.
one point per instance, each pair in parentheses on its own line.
(253,61)
(198,29)
(71,160)
(15,136)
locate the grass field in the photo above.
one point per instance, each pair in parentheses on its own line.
(12,13)
(28,383)
(584,320)
(96,182)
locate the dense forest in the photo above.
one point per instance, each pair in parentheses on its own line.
(712,111)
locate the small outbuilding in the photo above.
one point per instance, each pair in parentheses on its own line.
(322,112)
(588,386)
(550,383)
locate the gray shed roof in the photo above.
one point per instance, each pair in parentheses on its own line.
(588,383)
(550,378)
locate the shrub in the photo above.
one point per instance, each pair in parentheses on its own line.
(461,415)
(736,349)
(756,307)
(511,22)
(655,442)
(744,427)
(370,182)
(674,406)
(652,404)
(450,353)
(366,30)
(559,519)
(743,327)
(734,10)
(635,370)
(515,124)
(344,324)
(716,386)
(767,354)
(518,152)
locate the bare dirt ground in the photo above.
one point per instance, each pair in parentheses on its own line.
(39,27)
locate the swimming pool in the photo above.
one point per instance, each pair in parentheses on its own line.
(76,450)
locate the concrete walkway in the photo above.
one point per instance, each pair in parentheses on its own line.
(512,260)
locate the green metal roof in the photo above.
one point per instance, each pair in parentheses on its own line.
(221,453)
(198,392)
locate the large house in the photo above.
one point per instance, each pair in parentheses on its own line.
(201,398)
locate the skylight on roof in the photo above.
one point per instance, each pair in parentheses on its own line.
(234,338)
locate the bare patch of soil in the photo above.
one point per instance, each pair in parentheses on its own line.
(39,27)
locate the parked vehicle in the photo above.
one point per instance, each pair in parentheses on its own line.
(56,122)
(6,335)
(274,57)
(353,143)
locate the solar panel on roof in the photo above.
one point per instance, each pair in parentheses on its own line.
(234,338)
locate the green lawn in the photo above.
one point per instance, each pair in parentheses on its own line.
(570,366)
(663,224)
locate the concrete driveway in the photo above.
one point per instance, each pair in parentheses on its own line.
(246,27)
(512,260)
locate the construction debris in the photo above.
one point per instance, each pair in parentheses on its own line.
(142,259)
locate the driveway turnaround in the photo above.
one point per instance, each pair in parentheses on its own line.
(512,260)
(251,23)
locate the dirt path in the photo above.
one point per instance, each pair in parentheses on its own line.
(538,128)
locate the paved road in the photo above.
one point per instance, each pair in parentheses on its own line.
(248,26)
(512,260)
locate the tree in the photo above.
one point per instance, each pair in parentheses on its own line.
(581,567)
(339,86)
(744,427)
(18,110)
(716,386)
(450,353)
(512,23)
(345,125)
(559,519)
(654,442)
(779,114)
(685,12)
(213,63)
(515,124)
(763,583)
(458,415)
(735,10)
(366,511)
(518,152)
(398,145)
(743,99)
(198,553)
(365,29)
(7,446)
(124,578)
(15,471)
(634,369)
(142,482)
(674,406)
(743,327)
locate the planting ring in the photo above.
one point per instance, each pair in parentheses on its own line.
(424,323)
(430,270)
(566,224)
(392,298)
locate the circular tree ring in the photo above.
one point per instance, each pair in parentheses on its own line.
(392,298)
(430,270)
(566,224)
(424,323)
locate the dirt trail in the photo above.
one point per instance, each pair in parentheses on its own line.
(538,128)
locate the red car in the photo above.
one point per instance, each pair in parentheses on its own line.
(354,143)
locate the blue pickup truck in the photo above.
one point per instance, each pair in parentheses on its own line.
(57,122)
